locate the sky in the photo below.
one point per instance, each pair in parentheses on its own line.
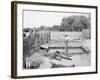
(35,19)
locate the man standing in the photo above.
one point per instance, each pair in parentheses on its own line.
(66,43)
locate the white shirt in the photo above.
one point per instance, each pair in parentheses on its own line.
(67,38)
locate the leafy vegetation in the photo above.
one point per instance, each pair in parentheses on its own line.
(71,23)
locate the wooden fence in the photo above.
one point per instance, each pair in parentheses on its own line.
(41,37)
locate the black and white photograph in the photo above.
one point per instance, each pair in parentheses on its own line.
(56,39)
(53,39)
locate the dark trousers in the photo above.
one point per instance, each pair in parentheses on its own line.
(66,47)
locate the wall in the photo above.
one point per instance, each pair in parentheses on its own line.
(5,41)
